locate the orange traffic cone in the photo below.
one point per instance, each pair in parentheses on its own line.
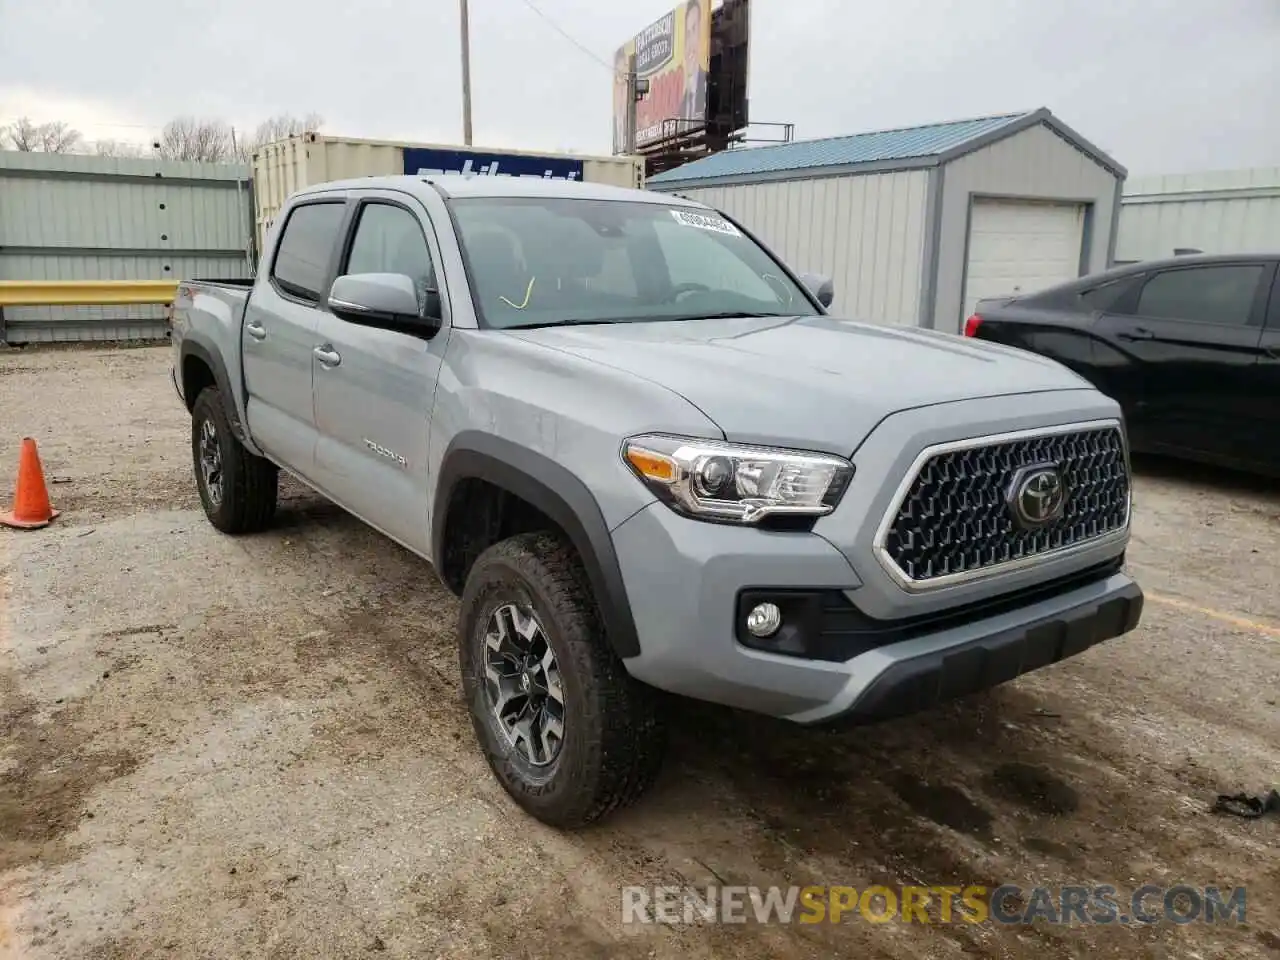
(31,508)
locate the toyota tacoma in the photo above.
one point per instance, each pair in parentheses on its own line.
(646,458)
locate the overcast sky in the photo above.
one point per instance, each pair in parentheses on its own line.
(1163,85)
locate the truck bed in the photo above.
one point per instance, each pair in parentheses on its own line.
(216,295)
(245,283)
(207,314)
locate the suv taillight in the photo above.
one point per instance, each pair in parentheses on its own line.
(971,325)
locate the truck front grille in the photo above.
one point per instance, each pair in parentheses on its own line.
(958,516)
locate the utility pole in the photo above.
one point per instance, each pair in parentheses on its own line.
(466,75)
(633,94)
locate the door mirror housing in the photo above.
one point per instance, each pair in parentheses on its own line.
(820,286)
(385,300)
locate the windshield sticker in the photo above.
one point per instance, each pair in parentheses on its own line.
(703,222)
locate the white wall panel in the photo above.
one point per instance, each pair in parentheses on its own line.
(1220,212)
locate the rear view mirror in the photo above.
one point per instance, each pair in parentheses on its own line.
(820,286)
(385,300)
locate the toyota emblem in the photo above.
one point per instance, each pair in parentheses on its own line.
(1037,496)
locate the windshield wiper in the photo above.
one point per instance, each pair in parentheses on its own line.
(656,318)
(728,315)
(539,324)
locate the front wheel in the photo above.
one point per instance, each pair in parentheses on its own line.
(237,489)
(568,733)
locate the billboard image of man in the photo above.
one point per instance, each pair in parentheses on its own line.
(693,103)
(620,64)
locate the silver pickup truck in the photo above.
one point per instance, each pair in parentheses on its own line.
(637,447)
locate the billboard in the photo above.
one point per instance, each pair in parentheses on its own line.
(420,160)
(673,53)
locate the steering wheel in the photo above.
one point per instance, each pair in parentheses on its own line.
(680,289)
(779,287)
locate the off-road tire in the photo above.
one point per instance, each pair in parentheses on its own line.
(613,741)
(249,483)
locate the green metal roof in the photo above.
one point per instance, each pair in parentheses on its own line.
(907,145)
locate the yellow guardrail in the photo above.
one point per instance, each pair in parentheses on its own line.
(69,293)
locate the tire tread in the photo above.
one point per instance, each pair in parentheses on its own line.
(250,483)
(623,756)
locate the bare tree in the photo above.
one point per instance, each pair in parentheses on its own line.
(187,138)
(190,138)
(59,137)
(31,137)
(22,133)
(118,148)
(275,128)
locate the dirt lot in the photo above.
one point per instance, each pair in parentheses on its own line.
(213,747)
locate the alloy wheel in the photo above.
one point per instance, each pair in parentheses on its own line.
(522,682)
(211,462)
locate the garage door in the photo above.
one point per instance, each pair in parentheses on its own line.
(1019,246)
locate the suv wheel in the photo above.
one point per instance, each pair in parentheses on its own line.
(569,734)
(237,489)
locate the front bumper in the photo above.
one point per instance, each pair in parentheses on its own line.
(684,579)
(909,682)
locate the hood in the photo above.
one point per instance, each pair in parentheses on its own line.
(815,382)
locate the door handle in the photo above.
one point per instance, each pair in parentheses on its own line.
(1137,333)
(255,330)
(327,355)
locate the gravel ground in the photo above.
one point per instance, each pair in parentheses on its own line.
(217,747)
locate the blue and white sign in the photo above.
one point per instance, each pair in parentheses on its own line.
(419,161)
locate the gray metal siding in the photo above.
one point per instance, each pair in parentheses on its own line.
(97,218)
(1033,164)
(865,232)
(1218,212)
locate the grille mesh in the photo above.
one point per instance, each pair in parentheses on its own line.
(955,517)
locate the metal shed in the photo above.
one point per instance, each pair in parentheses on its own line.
(915,225)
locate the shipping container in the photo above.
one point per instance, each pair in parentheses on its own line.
(283,167)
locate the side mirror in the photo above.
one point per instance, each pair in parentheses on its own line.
(385,300)
(820,286)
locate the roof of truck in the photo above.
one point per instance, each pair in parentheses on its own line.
(463,185)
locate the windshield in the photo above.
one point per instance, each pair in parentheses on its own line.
(546,261)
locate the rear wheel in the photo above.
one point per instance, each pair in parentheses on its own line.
(569,734)
(237,489)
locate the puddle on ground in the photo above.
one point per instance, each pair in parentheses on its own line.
(944,805)
(1033,787)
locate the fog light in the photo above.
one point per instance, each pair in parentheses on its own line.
(764,620)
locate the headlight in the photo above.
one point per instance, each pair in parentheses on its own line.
(743,484)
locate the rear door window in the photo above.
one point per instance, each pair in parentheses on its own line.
(301,265)
(1222,295)
(1109,296)
(1273,314)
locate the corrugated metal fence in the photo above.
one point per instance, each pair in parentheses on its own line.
(1227,212)
(65,217)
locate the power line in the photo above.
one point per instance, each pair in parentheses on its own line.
(560,30)
(105,124)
